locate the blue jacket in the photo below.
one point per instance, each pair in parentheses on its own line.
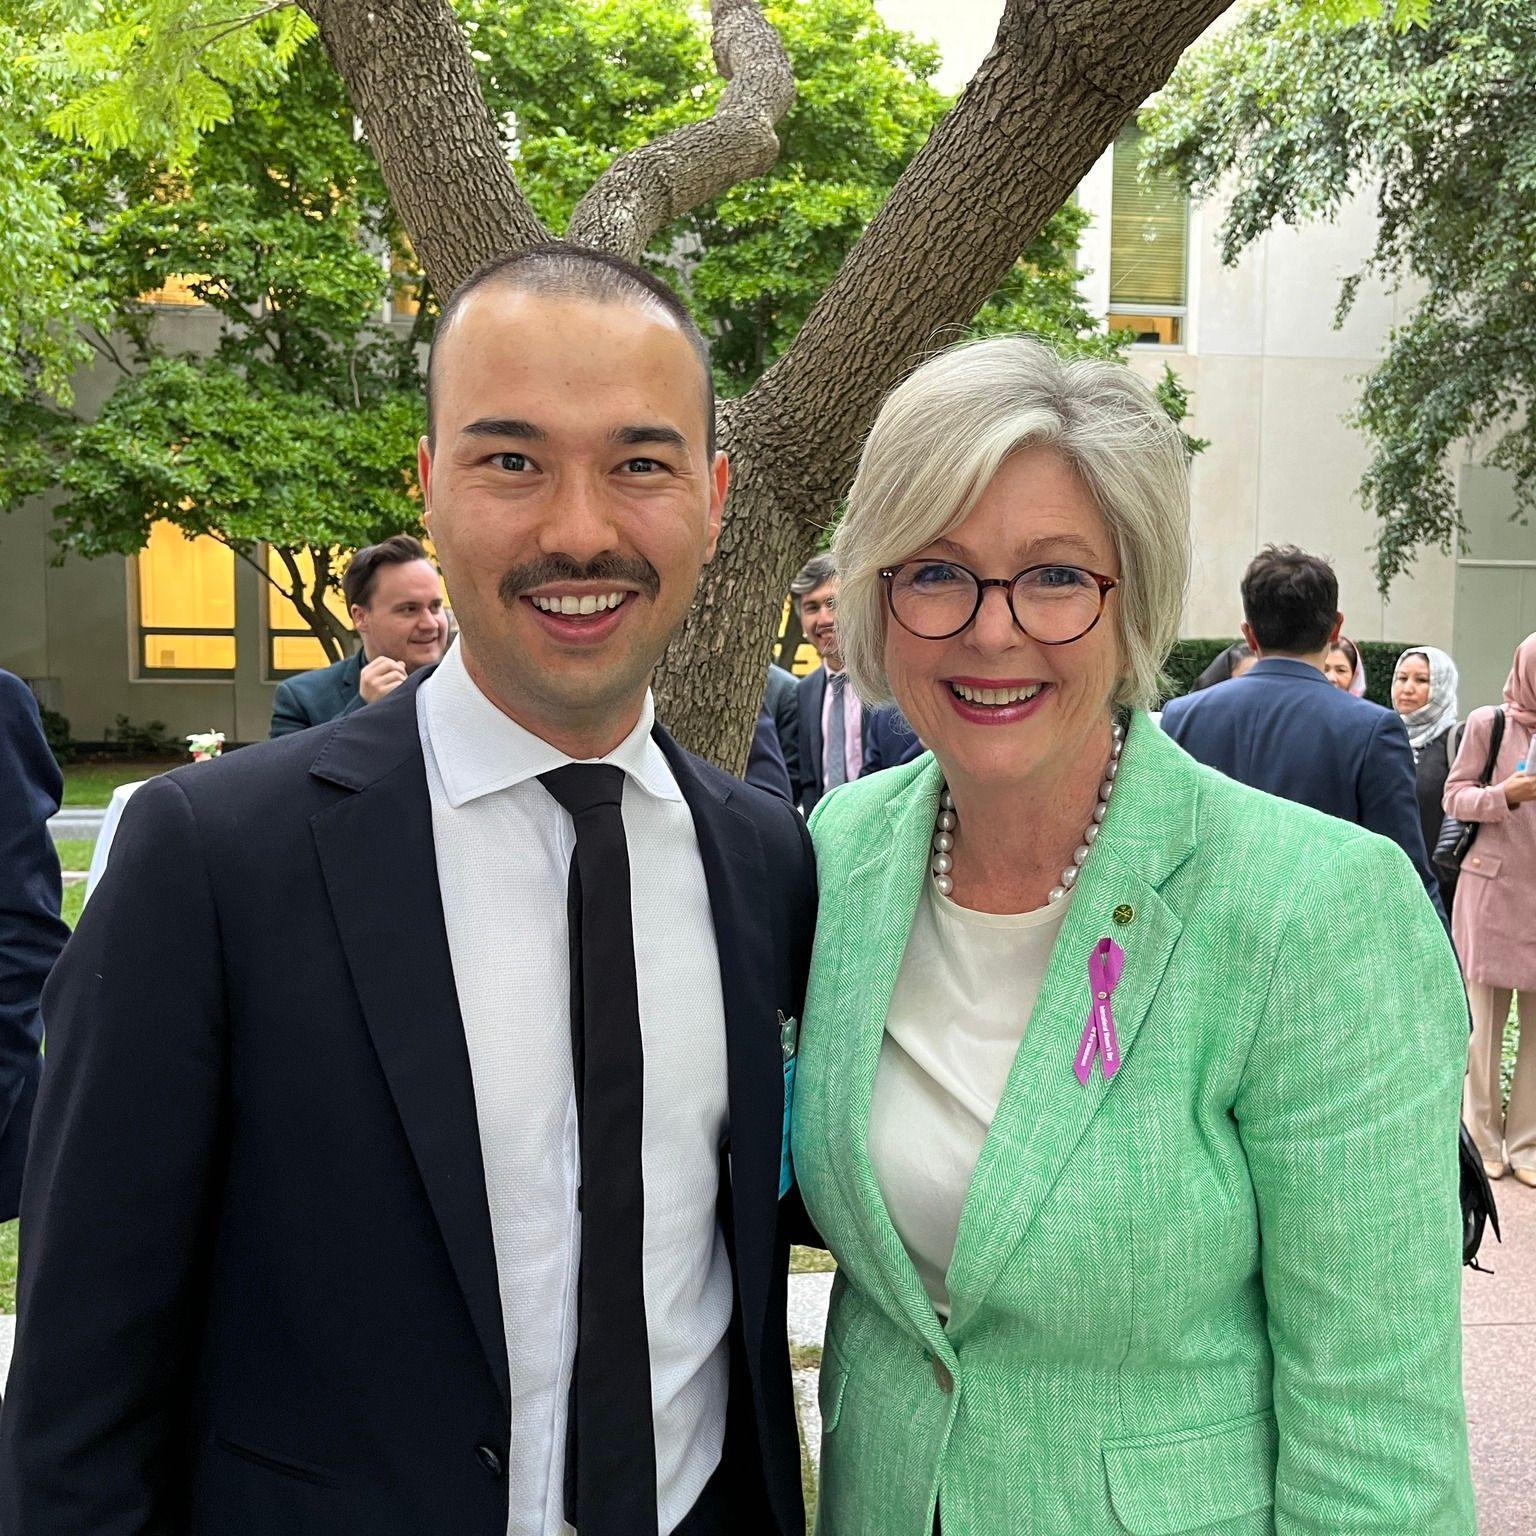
(312,698)
(888,740)
(31,933)
(1284,728)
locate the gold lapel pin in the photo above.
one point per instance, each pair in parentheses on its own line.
(1124,913)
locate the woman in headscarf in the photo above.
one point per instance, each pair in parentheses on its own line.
(1494,923)
(1424,694)
(1232,662)
(1344,668)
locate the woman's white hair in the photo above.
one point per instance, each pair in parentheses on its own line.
(943,434)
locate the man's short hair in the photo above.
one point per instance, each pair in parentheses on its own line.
(816,572)
(571,271)
(362,573)
(1291,599)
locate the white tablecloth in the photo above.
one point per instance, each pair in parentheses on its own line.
(120,798)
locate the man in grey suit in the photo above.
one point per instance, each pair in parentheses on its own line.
(395,598)
(831,717)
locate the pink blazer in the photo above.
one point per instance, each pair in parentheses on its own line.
(1494,920)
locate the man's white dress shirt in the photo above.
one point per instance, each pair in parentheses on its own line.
(503,863)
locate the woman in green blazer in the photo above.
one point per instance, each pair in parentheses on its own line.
(1127,1096)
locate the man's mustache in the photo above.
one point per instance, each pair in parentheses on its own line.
(552,569)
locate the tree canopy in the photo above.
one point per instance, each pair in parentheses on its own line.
(298,430)
(1297,108)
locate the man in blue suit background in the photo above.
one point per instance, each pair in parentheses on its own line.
(1284,728)
(31,934)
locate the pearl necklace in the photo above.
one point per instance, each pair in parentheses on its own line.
(944,830)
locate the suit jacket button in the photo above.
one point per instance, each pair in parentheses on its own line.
(941,1377)
(489,1460)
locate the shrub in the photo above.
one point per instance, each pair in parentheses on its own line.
(148,740)
(60,742)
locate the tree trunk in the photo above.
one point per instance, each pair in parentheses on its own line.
(1061,80)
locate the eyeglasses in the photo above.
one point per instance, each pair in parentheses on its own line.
(1053,604)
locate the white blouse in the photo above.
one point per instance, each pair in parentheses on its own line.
(966,988)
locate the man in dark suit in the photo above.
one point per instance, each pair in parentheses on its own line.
(31,933)
(344,1218)
(395,598)
(831,716)
(888,740)
(781,701)
(1284,728)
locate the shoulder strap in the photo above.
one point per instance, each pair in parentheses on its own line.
(1495,741)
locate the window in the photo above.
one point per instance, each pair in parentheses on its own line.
(186,604)
(291,643)
(175,293)
(1148,250)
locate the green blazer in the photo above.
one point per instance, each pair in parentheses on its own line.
(1219,1294)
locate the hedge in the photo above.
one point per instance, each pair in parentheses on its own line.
(1190,658)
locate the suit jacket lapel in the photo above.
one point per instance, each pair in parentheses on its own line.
(811,770)
(1045,1110)
(736,873)
(397,953)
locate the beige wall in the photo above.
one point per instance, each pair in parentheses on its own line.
(1272,380)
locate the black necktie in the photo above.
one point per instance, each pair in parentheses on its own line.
(610,1486)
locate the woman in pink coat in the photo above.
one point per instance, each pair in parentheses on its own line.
(1494,920)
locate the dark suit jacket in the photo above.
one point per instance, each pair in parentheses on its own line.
(312,698)
(31,934)
(766,768)
(781,698)
(258,1290)
(1283,727)
(811,693)
(888,740)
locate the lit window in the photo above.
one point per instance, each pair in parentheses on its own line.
(186,603)
(291,644)
(1148,250)
(175,293)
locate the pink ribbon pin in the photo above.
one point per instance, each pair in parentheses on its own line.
(1099,1039)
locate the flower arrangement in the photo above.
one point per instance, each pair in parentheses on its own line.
(205,746)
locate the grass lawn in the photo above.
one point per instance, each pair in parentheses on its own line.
(75,852)
(89,785)
(8,1267)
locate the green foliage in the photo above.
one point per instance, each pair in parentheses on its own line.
(298,429)
(1434,106)
(133,740)
(156,75)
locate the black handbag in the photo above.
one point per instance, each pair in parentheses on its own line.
(1477,1206)
(1456,837)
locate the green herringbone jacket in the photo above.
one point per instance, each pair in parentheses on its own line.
(1220,1294)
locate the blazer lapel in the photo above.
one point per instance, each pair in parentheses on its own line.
(875,911)
(397,953)
(736,874)
(1045,1110)
(810,732)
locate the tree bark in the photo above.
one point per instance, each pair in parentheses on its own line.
(644,190)
(1062,78)
(412,82)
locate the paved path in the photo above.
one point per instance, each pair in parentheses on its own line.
(74,823)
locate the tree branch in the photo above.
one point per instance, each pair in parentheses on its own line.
(1062,78)
(412,82)
(649,187)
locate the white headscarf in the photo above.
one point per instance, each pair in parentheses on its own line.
(1439,715)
